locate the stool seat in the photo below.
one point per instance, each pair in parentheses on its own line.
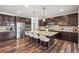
(44,38)
(35,36)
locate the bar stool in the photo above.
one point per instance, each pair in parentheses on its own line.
(26,33)
(44,41)
(36,38)
(30,34)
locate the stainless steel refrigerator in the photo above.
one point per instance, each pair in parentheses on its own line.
(20,29)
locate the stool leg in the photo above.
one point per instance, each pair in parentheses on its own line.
(31,39)
(45,46)
(37,42)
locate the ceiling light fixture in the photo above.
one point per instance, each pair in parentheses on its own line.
(26,5)
(19,12)
(34,14)
(43,14)
(61,10)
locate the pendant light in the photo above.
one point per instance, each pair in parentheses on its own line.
(43,14)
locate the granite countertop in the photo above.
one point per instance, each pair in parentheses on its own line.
(1,31)
(48,33)
(64,31)
(72,29)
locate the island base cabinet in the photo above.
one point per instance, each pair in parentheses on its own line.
(1,37)
(5,36)
(68,36)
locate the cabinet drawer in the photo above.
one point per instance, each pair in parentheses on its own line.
(1,37)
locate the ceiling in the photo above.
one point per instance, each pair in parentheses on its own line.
(51,10)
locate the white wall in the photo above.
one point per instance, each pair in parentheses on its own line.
(34,23)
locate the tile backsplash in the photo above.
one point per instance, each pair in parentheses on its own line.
(4,28)
(63,28)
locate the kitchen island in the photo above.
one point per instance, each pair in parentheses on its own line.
(49,35)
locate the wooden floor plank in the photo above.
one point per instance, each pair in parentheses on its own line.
(24,45)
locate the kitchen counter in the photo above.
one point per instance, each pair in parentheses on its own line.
(72,29)
(64,31)
(2,31)
(47,33)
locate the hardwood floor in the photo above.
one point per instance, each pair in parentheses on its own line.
(25,46)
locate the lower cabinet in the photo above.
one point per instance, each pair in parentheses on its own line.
(12,35)
(1,37)
(68,36)
(5,36)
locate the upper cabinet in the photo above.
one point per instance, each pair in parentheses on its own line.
(61,20)
(27,21)
(12,19)
(73,19)
(66,20)
(1,20)
(42,23)
(18,19)
(6,20)
(23,20)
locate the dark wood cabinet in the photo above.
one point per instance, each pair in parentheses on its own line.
(1,20)
(74,37)
(61,20)
(1,37)
(65,20)
(23,20)
(12,19)
(42,23)
(5,36)
(73,19)
(12,35)
(18,19)
(6,20)
(27,21)
(68,36)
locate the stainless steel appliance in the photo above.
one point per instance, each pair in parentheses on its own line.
(20,29)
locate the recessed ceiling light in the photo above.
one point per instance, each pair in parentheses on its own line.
(43,19)
(45,14)
(19,12)
(61,10)
(26,5)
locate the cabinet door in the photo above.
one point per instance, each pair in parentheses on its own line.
(1,37)
(74,37)
(12,19)
(1,20)
(28,21)
(6,20)
(66,36)
(12,35)
(5,36)
(73,20)
(41,23)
